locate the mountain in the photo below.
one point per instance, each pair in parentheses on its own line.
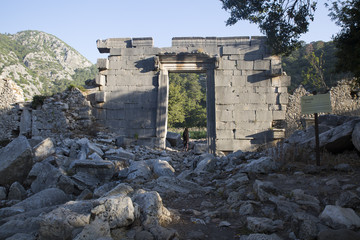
(41,63)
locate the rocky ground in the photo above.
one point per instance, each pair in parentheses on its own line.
(87,187)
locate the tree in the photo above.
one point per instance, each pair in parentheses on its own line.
(347,15)
(281,21)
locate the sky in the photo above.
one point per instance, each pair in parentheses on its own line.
(79,23)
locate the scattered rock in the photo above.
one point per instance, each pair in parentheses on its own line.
(15,161)
(338,217)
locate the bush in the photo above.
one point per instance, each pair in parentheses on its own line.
(38,100)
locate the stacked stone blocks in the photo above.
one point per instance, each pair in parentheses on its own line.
(250,91)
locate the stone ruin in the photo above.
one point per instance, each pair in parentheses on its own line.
(246,89)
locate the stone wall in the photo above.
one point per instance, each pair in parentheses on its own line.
(344,101)
(58,117)
(247,92)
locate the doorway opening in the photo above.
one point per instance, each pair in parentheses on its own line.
(187,104)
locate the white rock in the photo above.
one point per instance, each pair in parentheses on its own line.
(338,217)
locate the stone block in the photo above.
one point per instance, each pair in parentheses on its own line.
(100,97)
(238,81)
(244,116)
(261,64)
(283,98)
(281,81)
(100,80)
(244,65)
(225,133)
(224,116)
(15,161)
(104,46)
(44,149)
(227,64)
(263,116)
(25,122)
(118,114)
(226,95)
(102,64)
(233,41)
(225,125)
(278,115)
(142,42)
(187,41)
(229,50)
(224,144)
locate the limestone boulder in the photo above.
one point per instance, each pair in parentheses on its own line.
(207,162)
(20,226)
(339,234)
(44,149)
(200,148)
(162,168)
(260,236)
(338,217)
(261,165)
(355,137)
(153,211)
(16,160)
(62,221)
(264,190)
(16,192)
(139,170)
(102,170)
(43,175)
(262,225)
(2,193)
(97,229)
(46,198)
(118,210)
(174,139)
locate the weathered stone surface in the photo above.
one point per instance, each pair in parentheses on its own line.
(15,161)
(16,192)
(264,190)
(10,228)
(348,199)
(162,168)
(22,236)
(2,193)
(60,223)
(152,210)
(261,165)
(45,198)
(174,139)
(139,170)
(44,149)
(95,230)
(101,170)
(117,210)
(338,217)
(355,137)
(121,188)
(258,236)
(260,224)
(207,162)
(47,176)
(340,234)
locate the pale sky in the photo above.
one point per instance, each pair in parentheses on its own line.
(80,23)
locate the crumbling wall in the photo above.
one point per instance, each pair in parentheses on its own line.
(344,101)
(58,117)
(10,95)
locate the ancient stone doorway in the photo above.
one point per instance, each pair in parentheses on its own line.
(187,63)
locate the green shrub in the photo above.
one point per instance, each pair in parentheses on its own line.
(38,100)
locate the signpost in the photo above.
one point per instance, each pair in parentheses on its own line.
(313,105)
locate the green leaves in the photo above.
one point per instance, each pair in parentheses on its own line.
(281,21)
(187,100)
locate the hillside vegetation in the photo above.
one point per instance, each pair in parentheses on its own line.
(41,63)
(313,65)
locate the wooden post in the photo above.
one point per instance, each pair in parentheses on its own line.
(317,142)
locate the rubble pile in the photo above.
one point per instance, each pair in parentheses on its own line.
(90,188)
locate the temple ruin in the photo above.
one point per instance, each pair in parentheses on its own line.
(246,89)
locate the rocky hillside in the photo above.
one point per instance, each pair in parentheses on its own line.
(38,62)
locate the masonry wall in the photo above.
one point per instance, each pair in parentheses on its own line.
(250,90)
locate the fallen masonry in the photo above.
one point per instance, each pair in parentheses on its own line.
(87,187)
